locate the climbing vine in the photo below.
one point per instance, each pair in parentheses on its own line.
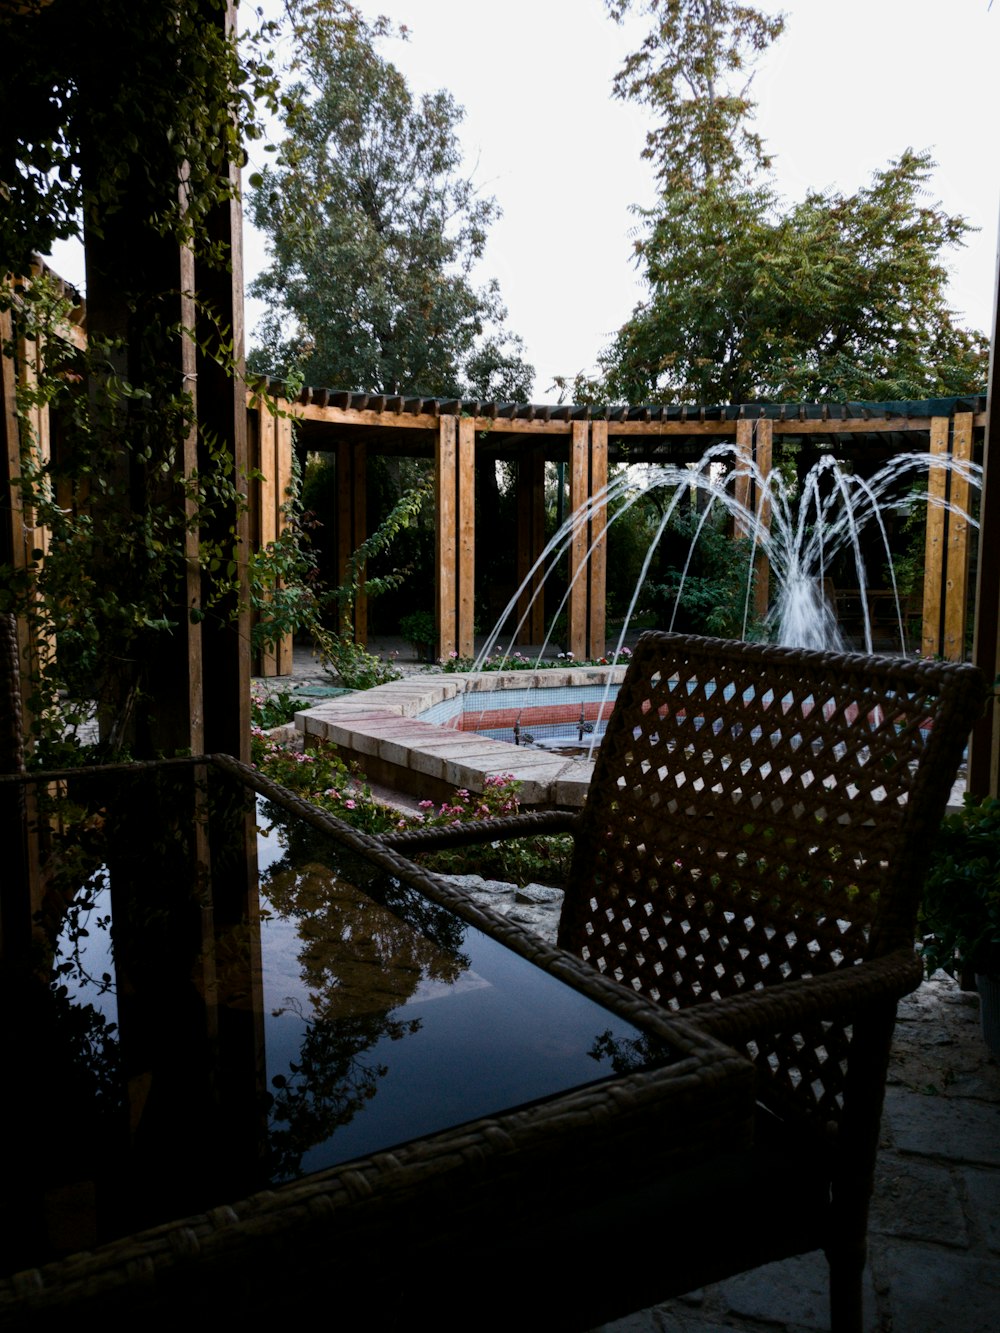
(122,125)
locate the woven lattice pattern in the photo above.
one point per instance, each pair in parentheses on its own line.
(759,815)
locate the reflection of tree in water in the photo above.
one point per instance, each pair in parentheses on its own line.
(630,1054)
(364,953)
(326,1087)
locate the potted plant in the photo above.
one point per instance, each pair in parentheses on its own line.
(961,912)
(417,629)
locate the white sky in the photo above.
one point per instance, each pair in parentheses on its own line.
(849,85)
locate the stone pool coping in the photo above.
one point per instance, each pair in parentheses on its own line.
(381,730)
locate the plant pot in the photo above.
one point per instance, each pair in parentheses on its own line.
(988,985)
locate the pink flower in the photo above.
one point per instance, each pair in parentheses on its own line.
(426,805)
(350,805)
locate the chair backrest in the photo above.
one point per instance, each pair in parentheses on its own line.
(759,814)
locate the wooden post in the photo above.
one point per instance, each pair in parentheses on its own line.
(15,524)
(956,595)
(266,506)
(285,479)
(271,456)
(764,438)
(579,485)
(984,750)
(597,577)
(466,508)
(744,459)
(934,547)
(530,544)
(445,534)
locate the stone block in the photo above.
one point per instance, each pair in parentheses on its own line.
(917,1201)
(951,1129)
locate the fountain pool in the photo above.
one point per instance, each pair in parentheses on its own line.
(425,735)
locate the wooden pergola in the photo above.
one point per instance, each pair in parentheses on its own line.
(461,436)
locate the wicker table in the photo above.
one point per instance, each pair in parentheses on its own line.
(451,1082)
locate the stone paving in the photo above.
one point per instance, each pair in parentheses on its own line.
(934,1251)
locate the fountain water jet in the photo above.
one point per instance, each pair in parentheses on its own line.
(800,532)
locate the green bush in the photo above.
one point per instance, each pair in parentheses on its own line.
(961,905)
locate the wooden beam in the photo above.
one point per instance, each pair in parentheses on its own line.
(466,508)
(934,546)
(347,416)
(861,426)
(446,534)
(597,579)
(579,485)
(956,595)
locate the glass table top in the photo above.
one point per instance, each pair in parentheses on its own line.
(227,1009)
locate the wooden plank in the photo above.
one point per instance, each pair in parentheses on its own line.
(597,579)
(342,416)
(956,595)
(445,534)
(762,569)
(520,426)
(466,554)
(742,483)
(659,428)
(36,646)
(283,462)
(264,493)
(934,549)
(984,748)
(579,485)
(858,425)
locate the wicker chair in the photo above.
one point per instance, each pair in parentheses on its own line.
(753,844)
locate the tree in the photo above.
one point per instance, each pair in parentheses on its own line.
(685,71)
(839,296)
(373,229)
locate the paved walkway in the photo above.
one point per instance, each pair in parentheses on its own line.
(935,1228)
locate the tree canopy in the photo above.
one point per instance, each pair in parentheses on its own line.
(374,231)
(839,296)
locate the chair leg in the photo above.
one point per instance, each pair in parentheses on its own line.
(847,1266)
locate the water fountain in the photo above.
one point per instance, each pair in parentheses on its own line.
(799,529)
(413,733)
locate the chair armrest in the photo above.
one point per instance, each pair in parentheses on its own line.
(482,830)
(830,995)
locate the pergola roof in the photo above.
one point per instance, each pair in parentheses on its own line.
(398,424)
(405,405)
